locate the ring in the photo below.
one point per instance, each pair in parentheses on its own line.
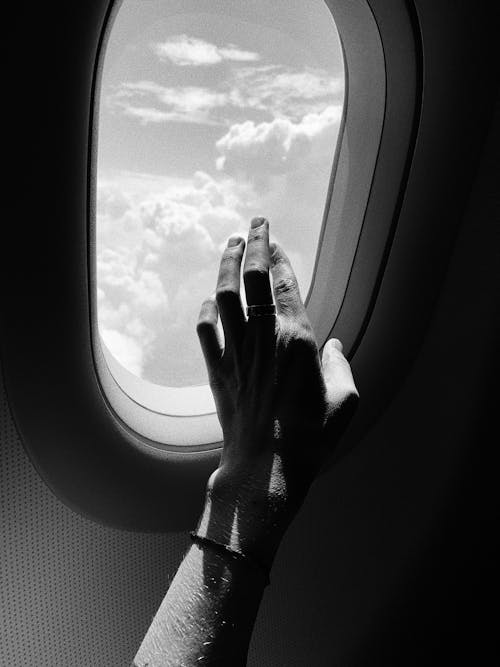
(262,310)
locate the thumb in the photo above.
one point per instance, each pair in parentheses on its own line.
(341,393)
(337,374)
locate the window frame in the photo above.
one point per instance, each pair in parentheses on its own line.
(91,459)
(161,414)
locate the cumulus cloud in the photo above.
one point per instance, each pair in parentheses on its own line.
(184,50)
(159,246)
(289,165)
(275,146)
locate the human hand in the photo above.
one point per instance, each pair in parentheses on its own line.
(281,409)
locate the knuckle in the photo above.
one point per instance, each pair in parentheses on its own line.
(306,327)
(308,334)
(207,311)
(229,265)
(207,304)
(230,257)
(302,343)
(257,234)
(276,250)
(285,285)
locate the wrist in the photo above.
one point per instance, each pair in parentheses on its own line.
(245,515)
(229,527)
(233,558)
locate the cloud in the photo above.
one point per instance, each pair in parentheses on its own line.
(159,243)
(289,166)
(131,293)
(187,104)
(189,51)
(151,115)
(283,92)
(272,90)
(275,147)
(160,239)
(158,249)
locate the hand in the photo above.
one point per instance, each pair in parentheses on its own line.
(281,409)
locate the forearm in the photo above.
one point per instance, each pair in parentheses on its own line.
(207,615)
(272,393)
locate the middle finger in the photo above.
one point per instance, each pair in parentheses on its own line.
(256,269)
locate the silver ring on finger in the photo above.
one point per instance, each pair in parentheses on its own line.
(261,310)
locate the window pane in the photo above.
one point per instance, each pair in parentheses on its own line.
(208,116)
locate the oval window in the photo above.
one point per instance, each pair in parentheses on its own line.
(209,114)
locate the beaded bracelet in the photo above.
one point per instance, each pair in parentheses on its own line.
(237,555)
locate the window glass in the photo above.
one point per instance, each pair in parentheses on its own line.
(209,114)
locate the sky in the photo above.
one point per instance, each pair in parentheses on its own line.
(207,118)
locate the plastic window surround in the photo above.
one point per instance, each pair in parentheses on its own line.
(140,405)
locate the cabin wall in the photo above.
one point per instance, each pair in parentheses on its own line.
(73,593)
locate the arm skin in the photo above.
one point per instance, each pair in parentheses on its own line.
(207,616)
(282,410)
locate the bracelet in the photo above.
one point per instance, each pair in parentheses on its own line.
(237,555)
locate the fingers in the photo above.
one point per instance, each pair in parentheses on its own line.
(285,285)
(256,269)
(228,291)
(337,374)
(208,333)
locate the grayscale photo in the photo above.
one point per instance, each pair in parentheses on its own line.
(249,334)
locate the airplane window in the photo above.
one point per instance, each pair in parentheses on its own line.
(209,114)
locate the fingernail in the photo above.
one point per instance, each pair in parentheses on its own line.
(330,345)
(337,344)
(257,222)
(233,241)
